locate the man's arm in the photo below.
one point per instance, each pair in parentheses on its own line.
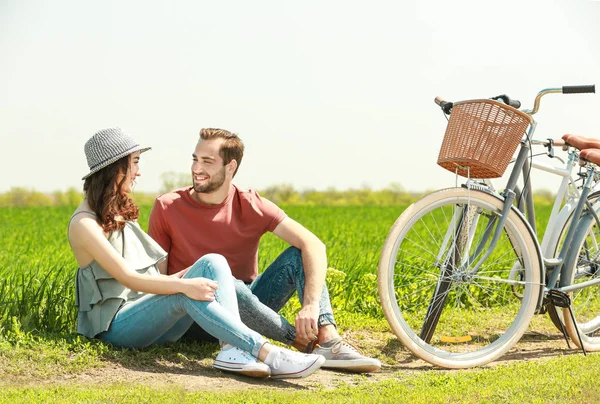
(314,260)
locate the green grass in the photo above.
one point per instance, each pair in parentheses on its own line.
(38,369)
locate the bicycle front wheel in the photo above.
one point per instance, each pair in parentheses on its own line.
(583,264)
(441,309)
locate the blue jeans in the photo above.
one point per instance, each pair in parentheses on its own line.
(155,319)
(260,301)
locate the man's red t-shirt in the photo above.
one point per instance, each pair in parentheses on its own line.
(188,229)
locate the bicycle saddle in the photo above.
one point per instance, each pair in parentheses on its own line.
(591,155)
(581,142)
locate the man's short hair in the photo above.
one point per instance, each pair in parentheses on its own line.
(232,147)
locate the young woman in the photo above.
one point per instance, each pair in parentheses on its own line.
(123,296)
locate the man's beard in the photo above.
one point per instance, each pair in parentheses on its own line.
(212,185)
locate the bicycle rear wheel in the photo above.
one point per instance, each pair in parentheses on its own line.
(583,264)
(440,311)
(585,250)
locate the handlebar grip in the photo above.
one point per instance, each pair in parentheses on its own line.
(579,89)
(446,106)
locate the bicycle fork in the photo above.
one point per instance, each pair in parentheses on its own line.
(454,266)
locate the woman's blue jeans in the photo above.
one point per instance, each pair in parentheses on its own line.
(155,319)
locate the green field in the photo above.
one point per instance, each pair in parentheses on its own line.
(37,268)
(38,345)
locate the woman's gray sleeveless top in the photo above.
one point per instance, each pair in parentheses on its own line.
(98,295)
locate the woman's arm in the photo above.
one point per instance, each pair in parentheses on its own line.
(86,234)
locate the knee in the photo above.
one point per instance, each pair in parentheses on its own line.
(216,262)
(293,256)
(294,253)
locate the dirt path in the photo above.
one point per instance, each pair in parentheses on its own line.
(201,376)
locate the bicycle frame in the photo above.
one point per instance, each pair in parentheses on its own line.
(574,202)
(556,222)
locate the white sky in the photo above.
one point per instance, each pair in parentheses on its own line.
(323,93)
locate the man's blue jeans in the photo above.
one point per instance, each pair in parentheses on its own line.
(162,318)
(260,301)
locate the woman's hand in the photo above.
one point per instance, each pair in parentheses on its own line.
(200,289)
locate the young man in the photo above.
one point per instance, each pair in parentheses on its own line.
(215,216)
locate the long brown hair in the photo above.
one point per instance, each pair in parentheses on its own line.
(106,198)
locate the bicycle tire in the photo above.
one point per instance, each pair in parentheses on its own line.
(556,313)
(583,264)
(480,319)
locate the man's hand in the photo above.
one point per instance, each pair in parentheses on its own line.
(306,324)
(201,289)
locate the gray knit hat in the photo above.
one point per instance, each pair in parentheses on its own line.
(108,146)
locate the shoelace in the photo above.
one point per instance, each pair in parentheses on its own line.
(276,360)
(342,343)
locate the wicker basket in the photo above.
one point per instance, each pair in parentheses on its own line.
(481,137)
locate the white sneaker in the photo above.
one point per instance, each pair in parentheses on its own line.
(288,364)
(232,359)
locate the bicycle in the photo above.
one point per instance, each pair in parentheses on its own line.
(461,273)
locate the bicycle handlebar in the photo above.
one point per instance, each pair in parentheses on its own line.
(563,90)
(447,105)
(548,142)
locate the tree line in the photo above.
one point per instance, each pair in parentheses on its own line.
(282,194)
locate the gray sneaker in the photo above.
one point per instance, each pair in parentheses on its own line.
(340,355)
